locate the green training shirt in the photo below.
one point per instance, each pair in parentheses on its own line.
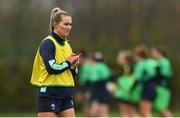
(84,73)
(99,71)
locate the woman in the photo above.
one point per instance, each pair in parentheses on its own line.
(164,76)
(124,84)
(84,92)
(100,74)
(145,73)
(54,67)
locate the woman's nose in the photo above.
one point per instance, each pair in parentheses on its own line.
(69,26)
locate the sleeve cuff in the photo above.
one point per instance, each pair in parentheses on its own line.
(69,63)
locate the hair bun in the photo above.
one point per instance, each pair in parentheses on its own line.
(55,10)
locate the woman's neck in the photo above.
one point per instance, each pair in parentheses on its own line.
(62,37)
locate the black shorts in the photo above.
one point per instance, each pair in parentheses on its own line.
(54,99)
(100,93)
(54,105)
(149,91)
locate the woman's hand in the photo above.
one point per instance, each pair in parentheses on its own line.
(73,58)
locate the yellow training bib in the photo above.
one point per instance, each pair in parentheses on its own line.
(40,76)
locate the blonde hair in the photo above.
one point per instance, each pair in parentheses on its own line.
(126,55)
(56,17)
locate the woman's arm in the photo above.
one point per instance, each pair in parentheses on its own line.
(47,52)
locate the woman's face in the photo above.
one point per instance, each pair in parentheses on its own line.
(63,28)
(136,58)
(155,54)
(121,59)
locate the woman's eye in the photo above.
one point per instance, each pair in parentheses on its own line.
(68,24)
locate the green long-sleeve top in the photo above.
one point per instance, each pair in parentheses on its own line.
(165,67)
(99,71)
(145,69)
(84,73)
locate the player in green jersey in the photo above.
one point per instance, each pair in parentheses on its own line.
(124,84)
(100,74)
(164,76)
(144,73)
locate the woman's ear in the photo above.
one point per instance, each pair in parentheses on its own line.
(54,25)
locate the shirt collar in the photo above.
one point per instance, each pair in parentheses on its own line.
(58,38)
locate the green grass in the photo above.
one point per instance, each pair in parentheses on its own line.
(17,114)
(78,114)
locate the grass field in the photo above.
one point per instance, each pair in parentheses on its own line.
(78,114)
